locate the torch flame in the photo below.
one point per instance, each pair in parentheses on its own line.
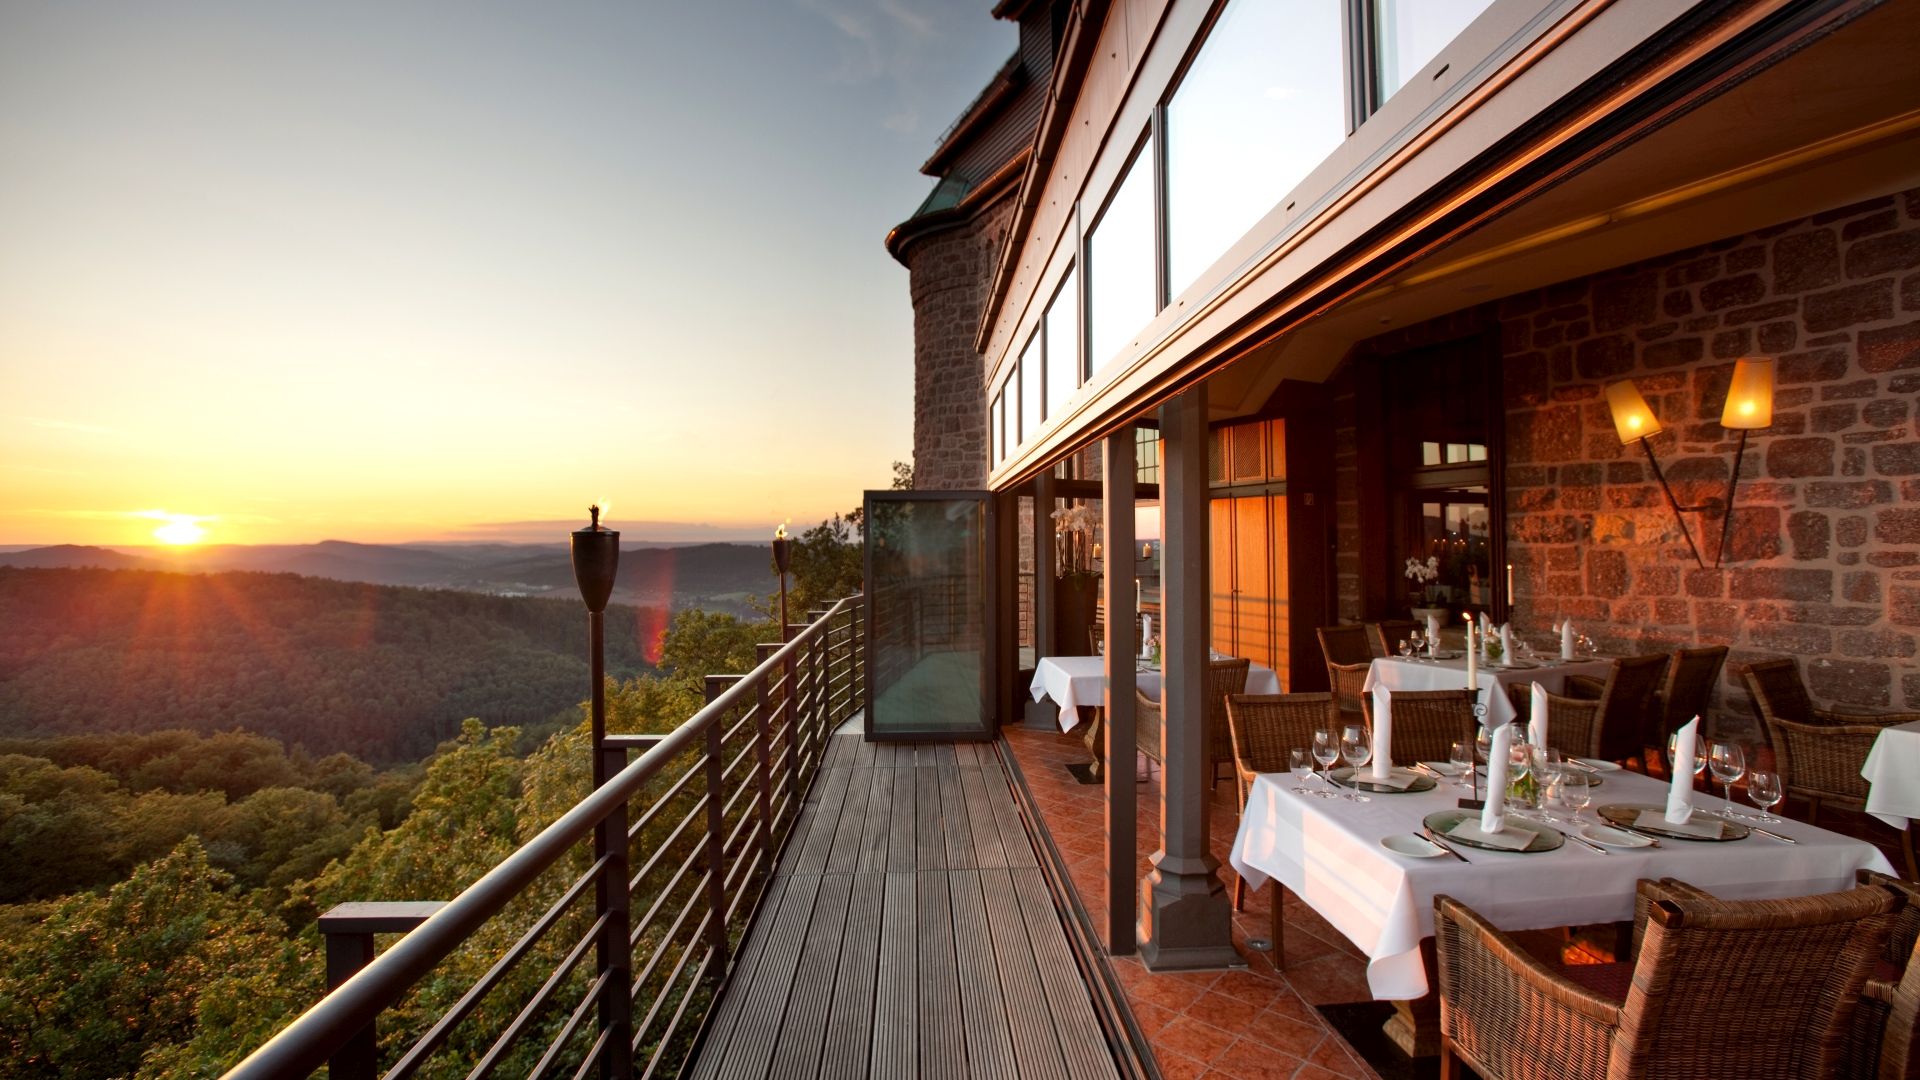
(781,532)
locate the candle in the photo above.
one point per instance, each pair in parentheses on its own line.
(1473,660)
(1509,584)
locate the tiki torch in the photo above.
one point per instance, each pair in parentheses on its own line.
(596,560)
(782,559)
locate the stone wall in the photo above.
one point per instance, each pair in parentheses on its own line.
(1824,560)
(950,272)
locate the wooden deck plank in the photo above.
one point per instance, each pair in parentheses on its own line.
(1014,839)
(943,753)
(873,831)
(1081,1041)
(832,787)
(982,1000)
(1036,1044)
(988,853)
(845,853)
(953,821)
(966,753)
(852,1019)
(751,1043)
(798,1052)
(929,844)
(895,999)
(902,836)
(883,754)
(943,1049)
(863,753)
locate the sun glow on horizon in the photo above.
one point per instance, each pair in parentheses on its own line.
(180,530)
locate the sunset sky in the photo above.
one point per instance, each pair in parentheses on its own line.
(438,270)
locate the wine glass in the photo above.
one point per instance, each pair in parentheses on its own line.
(1576,790)
(1417,643)
(1356,750)
(1699,758)
(1482,744)
(1765,789)
(1300,764)
(1326,751)
(1519,766)
(1729,763)
(1463,759)
(1404,649)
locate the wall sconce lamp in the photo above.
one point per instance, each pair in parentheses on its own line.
(1749,408)
(1635,422)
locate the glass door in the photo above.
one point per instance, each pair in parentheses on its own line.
(929,577)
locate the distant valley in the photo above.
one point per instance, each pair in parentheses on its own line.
(712,577)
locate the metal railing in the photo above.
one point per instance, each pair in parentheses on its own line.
(715,799)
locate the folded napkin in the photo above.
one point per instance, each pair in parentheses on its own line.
(1445,768)
(1433,633)
(1146,633)
(1506,643)
(1566,640)
(1652,818)
(1680,793)
(1512,838)
(1382,763)
(1537,722)
(1493,817)
(1397,779)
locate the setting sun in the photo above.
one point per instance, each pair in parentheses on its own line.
(180,530)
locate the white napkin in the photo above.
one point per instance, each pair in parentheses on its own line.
(1680,794)
(1566,640)
(1146,632)
(1382,734)
(1537,722)
(1506,643)
(1486,629)
(1433,633)
(1493,817)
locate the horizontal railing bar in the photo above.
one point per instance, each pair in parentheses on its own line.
(428,1043)
(539,999)
(746,718)
(666,845)
(741,792)
(304,1045)
(640,1029)
(593,1056)
(667,939)
(666,797)
(745,752)
(592,997)
(665,891)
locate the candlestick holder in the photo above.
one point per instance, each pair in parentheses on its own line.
(1473,770)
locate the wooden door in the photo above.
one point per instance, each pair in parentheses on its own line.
(1281,601)
(1253,580)
(1220,576)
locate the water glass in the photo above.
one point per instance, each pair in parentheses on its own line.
(1699,752)
(1300,764)
(1766,791)
(1462,758)
(1404,649)
(1576,789)
(1326,751)
(1729,763)
(1356,750)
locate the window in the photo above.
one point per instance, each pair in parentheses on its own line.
(1032,391)
(1146,455)
(1409,33)
(1262,105)
(1122,293)
(1433,453)
(1063,342)
(997,427)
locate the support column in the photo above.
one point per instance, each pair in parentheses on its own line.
(1185,918)
(1116,509)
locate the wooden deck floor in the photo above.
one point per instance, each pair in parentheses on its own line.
(907,932)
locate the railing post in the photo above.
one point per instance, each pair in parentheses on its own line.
(716,831)
(614,950)
(348,930)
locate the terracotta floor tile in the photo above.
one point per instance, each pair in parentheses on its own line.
(1251,1061)
(1166,993)
(1255,989)
(1293,1036)
(1178,1066)
(1151,1017)
(1197,1040)
(1224,1011)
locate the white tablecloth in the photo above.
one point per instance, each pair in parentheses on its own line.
(1328,852)
(1893,771)
(1076,681)
(1395,673)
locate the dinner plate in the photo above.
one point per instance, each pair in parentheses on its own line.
(1414,847)
(1608,836)
(1625,814)
(1344,777)
(1518,665)
(1596,764)
(1546,837)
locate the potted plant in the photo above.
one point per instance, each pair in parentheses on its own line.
(1424,596)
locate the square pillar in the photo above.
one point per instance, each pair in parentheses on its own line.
(1186,920)
(1122,816)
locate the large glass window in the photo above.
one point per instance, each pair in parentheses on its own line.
(997,427)
(1121,294)
(1409,33)
(1063,342)
(1032,393)
(1263,104)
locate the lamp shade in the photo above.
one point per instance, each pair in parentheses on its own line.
(1749,396)
(1631,416)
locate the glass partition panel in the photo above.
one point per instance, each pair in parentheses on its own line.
(1121,295)
(927,664)
(997,427)
(1263,104)
(1063,342)
(1033,406)
(1408,33)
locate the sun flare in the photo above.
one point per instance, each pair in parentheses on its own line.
(180,530)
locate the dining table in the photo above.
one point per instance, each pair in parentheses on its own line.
(1331,853)
(1078,685)
(1892,773)
(1396,673)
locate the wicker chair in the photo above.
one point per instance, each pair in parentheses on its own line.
(1719,988)
(1384,635)
(1819,752)
(1691,677)
(1885,1038)
(1348,659)
(1426,723)
(1224,678)
(1608,726)
(1264,728)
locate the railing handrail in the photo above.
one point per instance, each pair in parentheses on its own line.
(304,1045)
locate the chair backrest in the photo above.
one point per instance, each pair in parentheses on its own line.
(1146,726)
(1345,644)
(1777,690)
(1823,761)
(1750,987)
(1386,635)
(1885,1037)
(1691,677)
(1426,723)
(1623,703)
(1224,679)
(1266,726)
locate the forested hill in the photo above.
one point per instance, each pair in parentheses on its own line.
(381,672)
